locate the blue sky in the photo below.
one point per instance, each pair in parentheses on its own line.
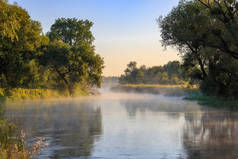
(125,30)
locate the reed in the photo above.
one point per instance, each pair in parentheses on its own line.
(16,149)
(17,94)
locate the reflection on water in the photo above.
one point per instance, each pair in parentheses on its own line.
(211,134)
(71,128)
(131,126)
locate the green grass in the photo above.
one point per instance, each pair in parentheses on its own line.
(190,93)
(186,85)
(32,94)
(213,101)
(167,90)
(35,94)
(12,145)
(81,90)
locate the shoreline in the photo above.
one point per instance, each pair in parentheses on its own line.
(22,94)
(166,90)
(186,91)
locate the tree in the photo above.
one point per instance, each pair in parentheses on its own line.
(172,67)
(94,63)
(201,30)
(184,28)
(71,54)
(131,67)
(72,31)
(68,65)
(167,74)
(63,59)
(19,39)
(224,14)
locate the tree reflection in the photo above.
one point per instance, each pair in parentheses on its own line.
(170,106)
(71,128)
(211,135)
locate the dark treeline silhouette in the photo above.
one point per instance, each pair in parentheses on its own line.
(63,59)
(206,35)
(171,73)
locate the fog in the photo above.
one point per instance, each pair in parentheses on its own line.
(127,125)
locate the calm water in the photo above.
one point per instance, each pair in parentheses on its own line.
(128,126)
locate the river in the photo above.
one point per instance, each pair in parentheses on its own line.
(127,126)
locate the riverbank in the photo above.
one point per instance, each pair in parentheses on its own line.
(167,90)
(12,140)
(36,94)
(218,102)
(188,92)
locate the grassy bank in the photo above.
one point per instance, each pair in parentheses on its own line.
(24,94)
(167,90)
(28,94)
(187,91)
(35,94)
(213,101)
(13,145)
(12,142)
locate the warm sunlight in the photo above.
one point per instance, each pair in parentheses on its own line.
(118,79)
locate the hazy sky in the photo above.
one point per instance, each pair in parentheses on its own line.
(125,30)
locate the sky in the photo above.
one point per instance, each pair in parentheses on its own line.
(124,30)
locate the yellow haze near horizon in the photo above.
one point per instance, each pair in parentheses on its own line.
(117,54)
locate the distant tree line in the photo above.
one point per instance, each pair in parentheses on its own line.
(206,35)
(62,59)
(110,80)
(170,73)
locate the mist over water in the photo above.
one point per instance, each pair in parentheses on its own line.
(128,125)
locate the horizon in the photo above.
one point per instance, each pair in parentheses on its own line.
(58,101)
(120,37)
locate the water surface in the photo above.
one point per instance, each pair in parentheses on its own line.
(128,126)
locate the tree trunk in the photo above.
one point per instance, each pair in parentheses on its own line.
(204,74)
(65,81)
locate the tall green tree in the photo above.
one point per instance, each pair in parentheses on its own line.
(184,28)
(69,66)
(201,30)
(225,18)
(64,58)
(19,39)
(72,31)
(71,54)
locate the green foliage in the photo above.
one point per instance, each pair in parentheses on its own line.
(205,34)
(7,131)
(171,73)
(11,145)
(211,100)
(71,55)
(35,66)
(65,59)
(225,25)
(23,94)
(72,31)
(19,40)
